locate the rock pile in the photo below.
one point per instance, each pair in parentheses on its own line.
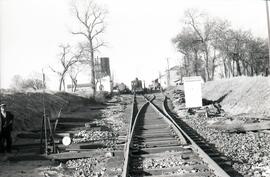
(113,122)
(104,137)
(249,152)
(113,117)
(87,167)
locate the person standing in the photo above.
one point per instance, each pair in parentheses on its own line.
(5,130)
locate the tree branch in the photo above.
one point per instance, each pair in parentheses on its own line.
(98,32)
(192,23)
(98,45)
(95,22)
(80,33)
(80,19)
(57,72)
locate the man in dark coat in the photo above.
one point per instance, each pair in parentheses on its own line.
(6,123)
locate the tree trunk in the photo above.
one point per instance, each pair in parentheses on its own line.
(239,73)
(213,65)
(213,71)
(60,85)
(233,73)
(75,86)
(251,71)
(64,84)
(185,65)
(207,74)
(92,69)
(196,63)
(225,69)
(245,68)
(229,67)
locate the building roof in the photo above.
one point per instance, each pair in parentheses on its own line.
(175,67)
(177,80)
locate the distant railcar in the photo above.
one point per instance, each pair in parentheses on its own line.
(136,86)
(123,89)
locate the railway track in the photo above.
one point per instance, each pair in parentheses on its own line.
(158,146)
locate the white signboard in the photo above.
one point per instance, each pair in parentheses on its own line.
(193,91)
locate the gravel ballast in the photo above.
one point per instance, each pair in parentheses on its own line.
(249,151)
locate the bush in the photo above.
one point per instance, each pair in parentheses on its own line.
(18,83)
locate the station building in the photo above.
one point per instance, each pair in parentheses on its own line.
(171,77)
(102,75)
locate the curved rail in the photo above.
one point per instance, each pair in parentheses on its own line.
(182,137)
(129,142)
(170,121)
(212,164)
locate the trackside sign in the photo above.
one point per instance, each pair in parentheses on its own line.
(193,91)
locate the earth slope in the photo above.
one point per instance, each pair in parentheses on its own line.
(241,95)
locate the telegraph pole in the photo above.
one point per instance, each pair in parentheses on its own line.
(268,27)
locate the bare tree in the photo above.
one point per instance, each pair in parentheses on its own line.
(195,21)
(189,45)
(91,18)
(233,47)
(34,83)
(237,52)
(204,28)
(67,59)
(198,41)
(257,56)
(16,82)
(73,74)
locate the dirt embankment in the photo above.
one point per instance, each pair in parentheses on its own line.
(241,95)
(27,107)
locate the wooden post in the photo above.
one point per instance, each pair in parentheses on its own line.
(45,136)
(41,136)
(51,134)
(44,114)
(268,29)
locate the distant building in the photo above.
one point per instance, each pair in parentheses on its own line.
(178,82)
(155,85)
(104,84)
(102,74)
(171,78)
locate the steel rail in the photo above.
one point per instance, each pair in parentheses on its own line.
(129,142)
(172,124)
(133,124)
(184,139)
(212,164)
(133,113)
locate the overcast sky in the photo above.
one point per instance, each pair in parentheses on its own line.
(138,33)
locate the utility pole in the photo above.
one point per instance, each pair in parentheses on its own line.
(160,82)
(268,27)
(168,74)
(44,120)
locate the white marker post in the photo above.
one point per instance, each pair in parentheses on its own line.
(193,91)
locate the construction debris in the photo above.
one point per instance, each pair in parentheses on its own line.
(214,110)
(236,125)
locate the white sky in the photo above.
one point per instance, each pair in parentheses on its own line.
(138,33)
